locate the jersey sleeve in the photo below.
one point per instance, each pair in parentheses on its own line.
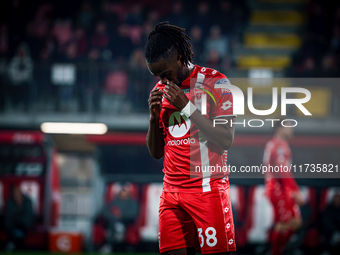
(222,106)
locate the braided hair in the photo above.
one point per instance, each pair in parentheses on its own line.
(165,40)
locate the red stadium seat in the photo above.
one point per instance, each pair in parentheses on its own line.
(310,198)
(326,197)
(112,189)
(2,198)
(237,198)
(148,229)
(32,190)
(35,238)
(238,201)
(260,216)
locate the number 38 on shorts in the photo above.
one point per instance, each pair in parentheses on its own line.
(210,234)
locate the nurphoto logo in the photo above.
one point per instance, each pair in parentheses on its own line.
(238,104)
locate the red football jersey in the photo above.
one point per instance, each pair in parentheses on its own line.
(277,153)
(186,149)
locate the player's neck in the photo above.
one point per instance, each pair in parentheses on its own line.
(188,70)
(280,137)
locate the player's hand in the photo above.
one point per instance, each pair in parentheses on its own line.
(282,227)
(298,198)
(295,224)
(155,103)
(175,95)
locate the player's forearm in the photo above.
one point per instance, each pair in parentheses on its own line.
(154,139)
(220,135)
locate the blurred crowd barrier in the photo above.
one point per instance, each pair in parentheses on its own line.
(75,87)
(110,88)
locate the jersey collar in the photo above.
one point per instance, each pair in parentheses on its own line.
(186,83)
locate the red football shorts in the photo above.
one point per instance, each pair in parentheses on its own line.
(201,220)
(285,208)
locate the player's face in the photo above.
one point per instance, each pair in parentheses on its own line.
(288,131)
(168,69)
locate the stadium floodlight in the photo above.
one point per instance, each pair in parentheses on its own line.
(73,128)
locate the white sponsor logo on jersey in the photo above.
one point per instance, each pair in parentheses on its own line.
(226,105)
(181,142)
(179,124)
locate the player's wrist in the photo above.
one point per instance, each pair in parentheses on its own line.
(189,109)
(153,118)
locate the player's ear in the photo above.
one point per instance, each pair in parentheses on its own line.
(179,61)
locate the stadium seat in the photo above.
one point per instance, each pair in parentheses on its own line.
(36,237)
(2,202)
(278,17)
(32,190)
(260,215)
(326,197)
(149,217)
(112,189)
(310,198)
(276,62)
(238,201)
(275,40)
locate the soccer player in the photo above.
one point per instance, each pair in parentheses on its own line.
(282,189)
(195,210)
